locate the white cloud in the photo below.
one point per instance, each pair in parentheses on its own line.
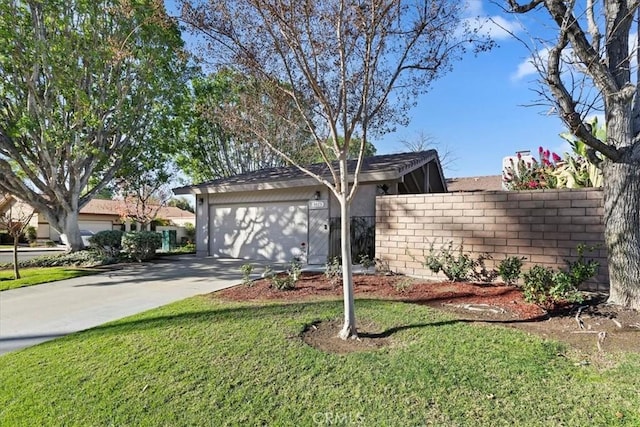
(495,26)
(528,66)
(474,8)
(499,28)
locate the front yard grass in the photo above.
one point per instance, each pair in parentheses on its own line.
(202,361)
(37,276)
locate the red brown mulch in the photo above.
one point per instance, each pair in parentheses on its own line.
(401,288)
(605,328)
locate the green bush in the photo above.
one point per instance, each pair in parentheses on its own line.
(190,232)
(282,282)
(456,266)
(84,258)
(538,282)
(31,234)
(582,270)
(510,269)
(545,287)
(480,271)
(107,242)
(287,280)
(246,270)
(366,262)
(141,245)
(333,271)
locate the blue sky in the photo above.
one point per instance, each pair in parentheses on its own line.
(478,110)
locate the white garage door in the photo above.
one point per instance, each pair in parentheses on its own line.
(95,226)
(265,231)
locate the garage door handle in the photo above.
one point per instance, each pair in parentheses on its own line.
(326,227)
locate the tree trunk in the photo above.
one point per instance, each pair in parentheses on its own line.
(622,230)
(349,328)
(16,268)
(72,230)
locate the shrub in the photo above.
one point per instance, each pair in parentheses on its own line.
(333,271)
(403,285)
(141,245)
(246,270)
(295,269)
(543,286)
(456,267)
(287,280)
(582,270)
(382,267)
(107,242)
(510,269)
(190,232)
(84,258)
(480,271)
(366,262)
(538,281)
(282,282)
(31,234)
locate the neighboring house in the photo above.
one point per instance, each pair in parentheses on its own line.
(281,213)
(475,183)
(101,214)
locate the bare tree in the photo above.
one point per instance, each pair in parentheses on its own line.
(352,69)
(15,220)
(142,198)
(422,141)
(597,43)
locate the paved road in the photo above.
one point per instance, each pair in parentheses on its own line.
(39,313)
(6,255)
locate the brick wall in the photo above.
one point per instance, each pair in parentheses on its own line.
(545,226)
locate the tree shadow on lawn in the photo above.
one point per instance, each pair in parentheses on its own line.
(332,308)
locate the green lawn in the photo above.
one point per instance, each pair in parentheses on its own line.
(204,362)
(36,276)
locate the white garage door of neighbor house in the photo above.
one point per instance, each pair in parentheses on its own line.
(95,226)
(265,231)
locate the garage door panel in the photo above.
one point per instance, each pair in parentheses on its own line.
(264,231)
(95,226)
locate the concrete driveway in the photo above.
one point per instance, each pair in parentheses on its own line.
(39,313)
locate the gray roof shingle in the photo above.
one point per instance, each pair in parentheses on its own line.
(399,164)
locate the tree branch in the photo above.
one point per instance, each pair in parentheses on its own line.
(518,8)
(566,104)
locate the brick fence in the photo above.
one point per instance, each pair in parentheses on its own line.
(545,226)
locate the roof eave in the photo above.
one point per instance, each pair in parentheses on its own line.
(365,178)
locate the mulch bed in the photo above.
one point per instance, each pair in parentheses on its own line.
(599,328)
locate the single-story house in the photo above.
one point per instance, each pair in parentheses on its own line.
(475,183)
(278,214)
(103,214)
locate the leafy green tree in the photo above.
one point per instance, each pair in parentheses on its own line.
(214,147)
(86,84)
(182,203)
